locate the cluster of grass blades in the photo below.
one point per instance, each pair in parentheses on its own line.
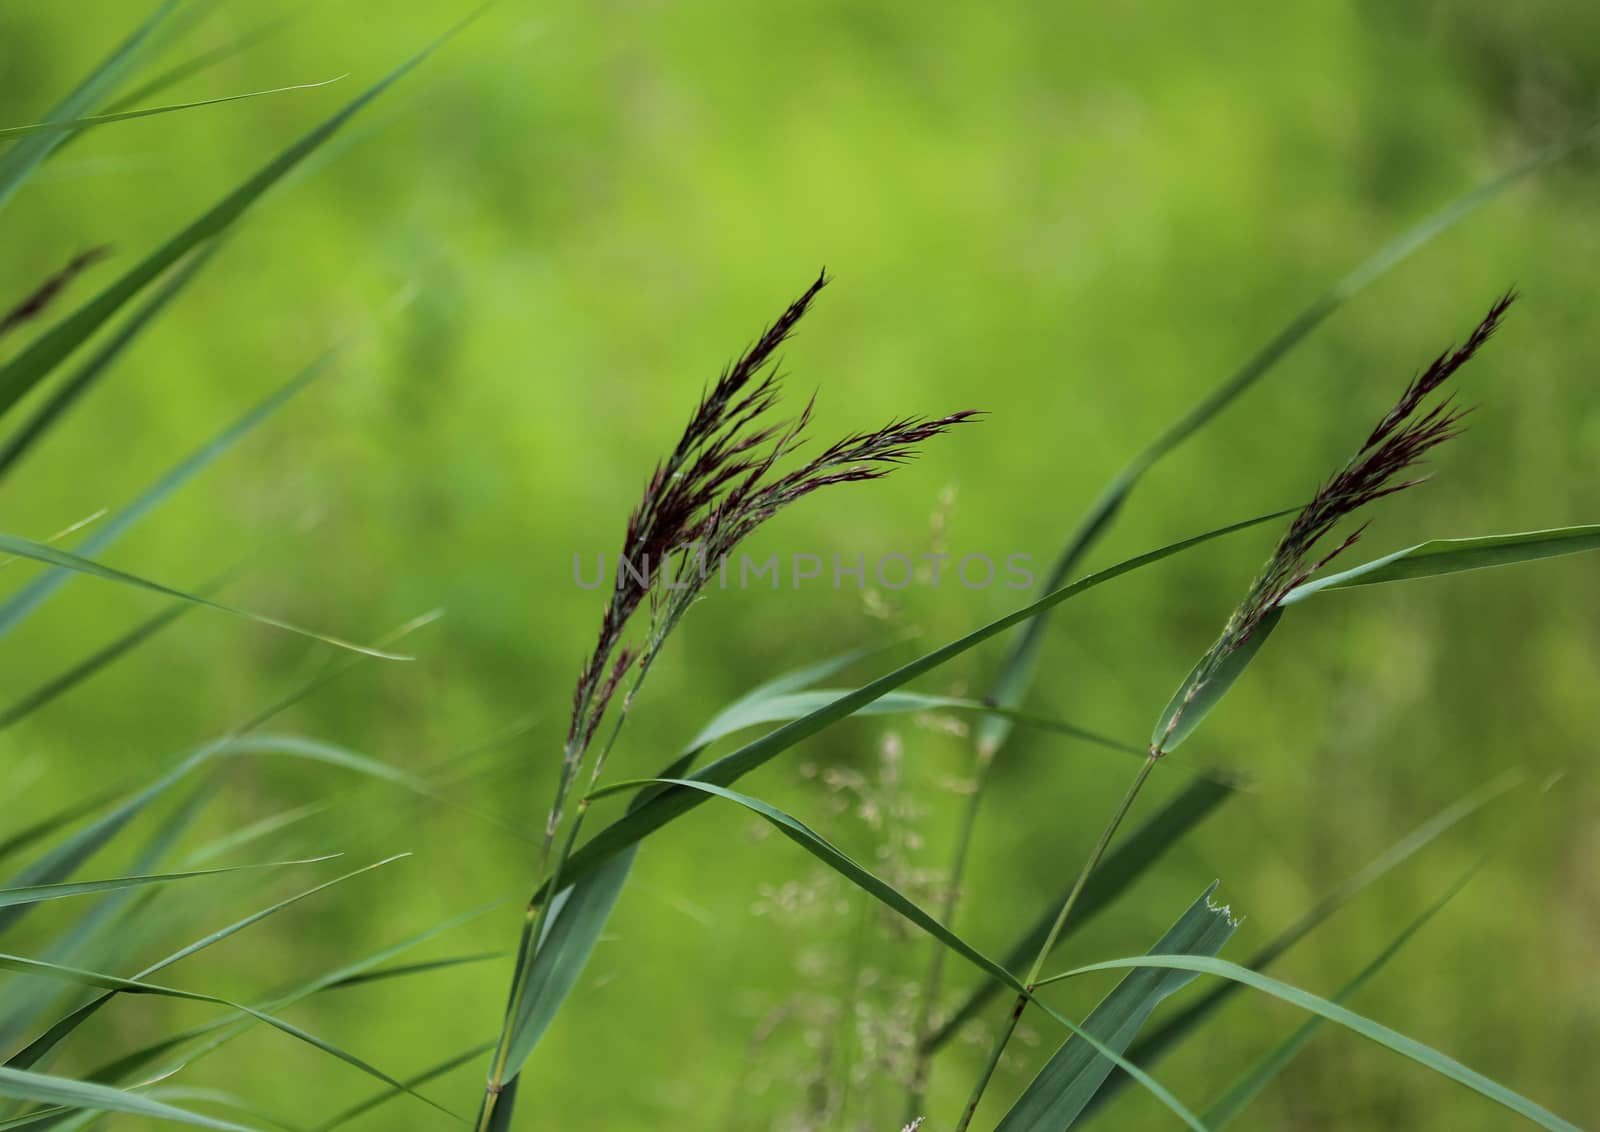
(1110,1048)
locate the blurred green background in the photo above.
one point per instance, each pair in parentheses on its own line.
(545,241)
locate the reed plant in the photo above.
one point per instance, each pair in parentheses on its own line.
(735,465)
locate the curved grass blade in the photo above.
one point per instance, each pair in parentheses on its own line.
(23,1085)
(1425,560)
(30,366)
(34,894)
(101,981)
(1016,672)
(22,603)
(841,863)
(63,398)
(1452,556)
(76,124)
(1180,1025)
(674,802)
(39,552)
(1056,1097)
(1232,1103)
(1122,866)
(1374,1031)
(30,1054)
(18,162)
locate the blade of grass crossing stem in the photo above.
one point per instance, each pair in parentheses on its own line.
(66,395)
(1126,862)
(39,552)
(1056,1097)
(43,1089)
(892,898)
(195,65)
(416,1082)
(1016,671)
(19,162)
(79,124)
(1249,1086)
(1425,560)
(674,802)
(1180,1025)
(29,1055)
(1374,1031)
(35,593)
(102,981)
(39,893)
(30,366)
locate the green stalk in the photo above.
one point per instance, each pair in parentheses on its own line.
(1031,982)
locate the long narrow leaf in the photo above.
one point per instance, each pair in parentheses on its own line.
(1236,1099)
(1128,861)
(23,1085)
(1056,1097)
(34,894)
(39,552)
(1180,1025)
(1366,1027)
(70,126)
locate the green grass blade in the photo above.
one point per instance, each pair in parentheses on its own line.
(224,1030)
(26,600)
(1016,672)
(34,894)
(30,366)
(787,706)
(62,559)
(60,126)
(46,826)
(416,1082)
(673,803)
(18,162)
(63,398)
(63,682)
(1238,1098)
(1452,556)
(1208,681)
(30,1054)
(1182,1024)
(863,878)
(43,1089)
(101,981)
(1366,1027)
(1128,861)
(1056,1097)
